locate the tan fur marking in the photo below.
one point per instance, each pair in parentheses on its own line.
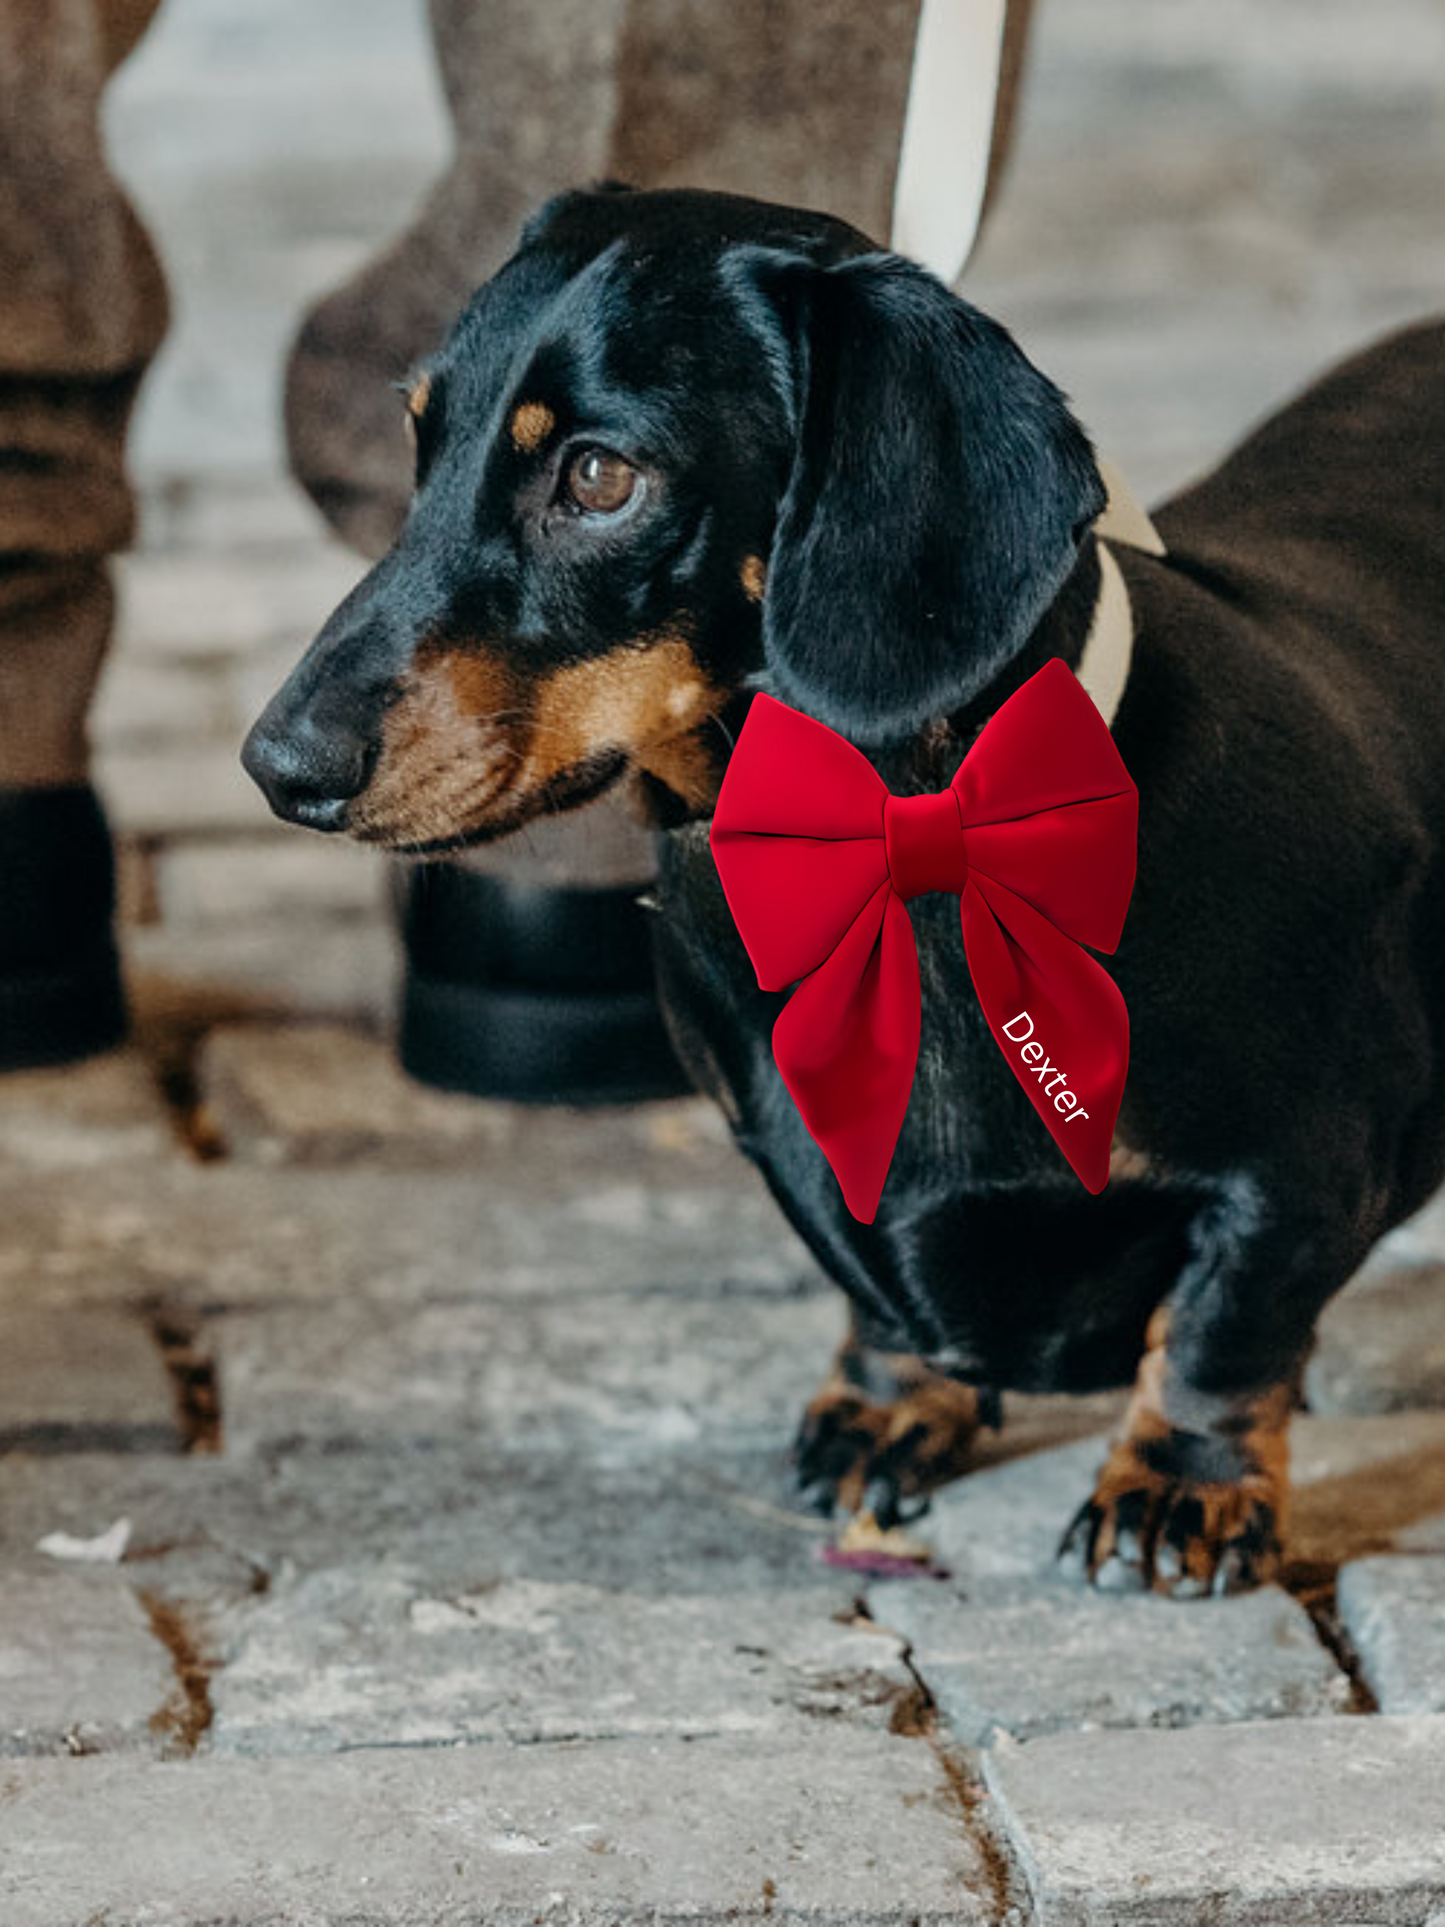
(446,750)
(467,736)
(532,423)
(1259,1427)
(687,767)
(420,396)
(939,1417)
(1126,1162)
(639,699)
(481,684)
(754,578)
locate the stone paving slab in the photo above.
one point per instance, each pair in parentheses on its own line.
(269,1061)
(1059,1658)
(87,1379)
(376,1655)
(322,966)
(200,787)
(1367,1485)
(1381,1344)
(316,1093)
(1420,1240)
(81,1670)
(155,704)
(1278,175)
(270,875)
(546,1213)
(998,1529)
(465,1516)
(461,1518)
(707,1831)
(308,1094)
(1361,1485)
(1393,1610)
(103,1110)
(272,148)
(195,607)
(1287,1823)
(249,510)
(609,1374)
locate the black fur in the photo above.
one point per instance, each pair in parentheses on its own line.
(921,496)
(938,495)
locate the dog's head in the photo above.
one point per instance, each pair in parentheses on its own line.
(679,441)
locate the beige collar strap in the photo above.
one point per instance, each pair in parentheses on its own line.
(943,166)
(1123,519)
(1103,668)
(948,128)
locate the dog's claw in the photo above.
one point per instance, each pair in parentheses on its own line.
(888,1505)
(880,1497)
(1165,1535)
(1077,1541)
(815,1495)
(1120,1575)
(859,1453)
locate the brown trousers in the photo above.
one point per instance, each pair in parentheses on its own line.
(82,308)
(797,100)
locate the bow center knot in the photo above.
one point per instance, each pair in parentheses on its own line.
(923,838)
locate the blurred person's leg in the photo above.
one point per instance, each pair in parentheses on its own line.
(792,100)
(82,308)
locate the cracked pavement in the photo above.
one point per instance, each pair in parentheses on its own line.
(405,1537)
(431,1455)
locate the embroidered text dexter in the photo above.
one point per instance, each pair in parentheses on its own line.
(1033,1054)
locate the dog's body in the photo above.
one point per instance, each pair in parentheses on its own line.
(1284,958)
(1283,720)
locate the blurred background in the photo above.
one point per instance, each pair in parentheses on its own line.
(1205,204)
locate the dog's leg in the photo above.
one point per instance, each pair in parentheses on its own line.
(884,1431)
(1192,1498)
(1194,1495)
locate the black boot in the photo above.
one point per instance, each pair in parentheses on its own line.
(60,986)
(530,992)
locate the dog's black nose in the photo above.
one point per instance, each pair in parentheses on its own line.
(308,772)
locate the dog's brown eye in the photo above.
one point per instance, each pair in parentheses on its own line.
(600,482)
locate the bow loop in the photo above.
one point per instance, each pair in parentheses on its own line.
(1036,832)
(816,839)
(1049,807)
(923,838)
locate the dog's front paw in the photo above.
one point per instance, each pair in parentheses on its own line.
(885,1447)
(1183,1514)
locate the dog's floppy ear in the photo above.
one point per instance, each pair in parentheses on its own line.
(565,202)
(939,492)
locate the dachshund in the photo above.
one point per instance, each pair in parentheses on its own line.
(685,446)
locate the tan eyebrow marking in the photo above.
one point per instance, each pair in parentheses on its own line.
(532,423)
(754,577)
(419,397)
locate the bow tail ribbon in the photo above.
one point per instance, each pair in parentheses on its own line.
(817,861)
(846,1044)
(1057,1016)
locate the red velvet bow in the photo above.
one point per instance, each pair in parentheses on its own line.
(1036,832)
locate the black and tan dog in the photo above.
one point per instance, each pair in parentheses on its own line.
(685,446)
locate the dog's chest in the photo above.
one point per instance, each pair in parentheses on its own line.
(964,1102)
(715,989)
(976,1250)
